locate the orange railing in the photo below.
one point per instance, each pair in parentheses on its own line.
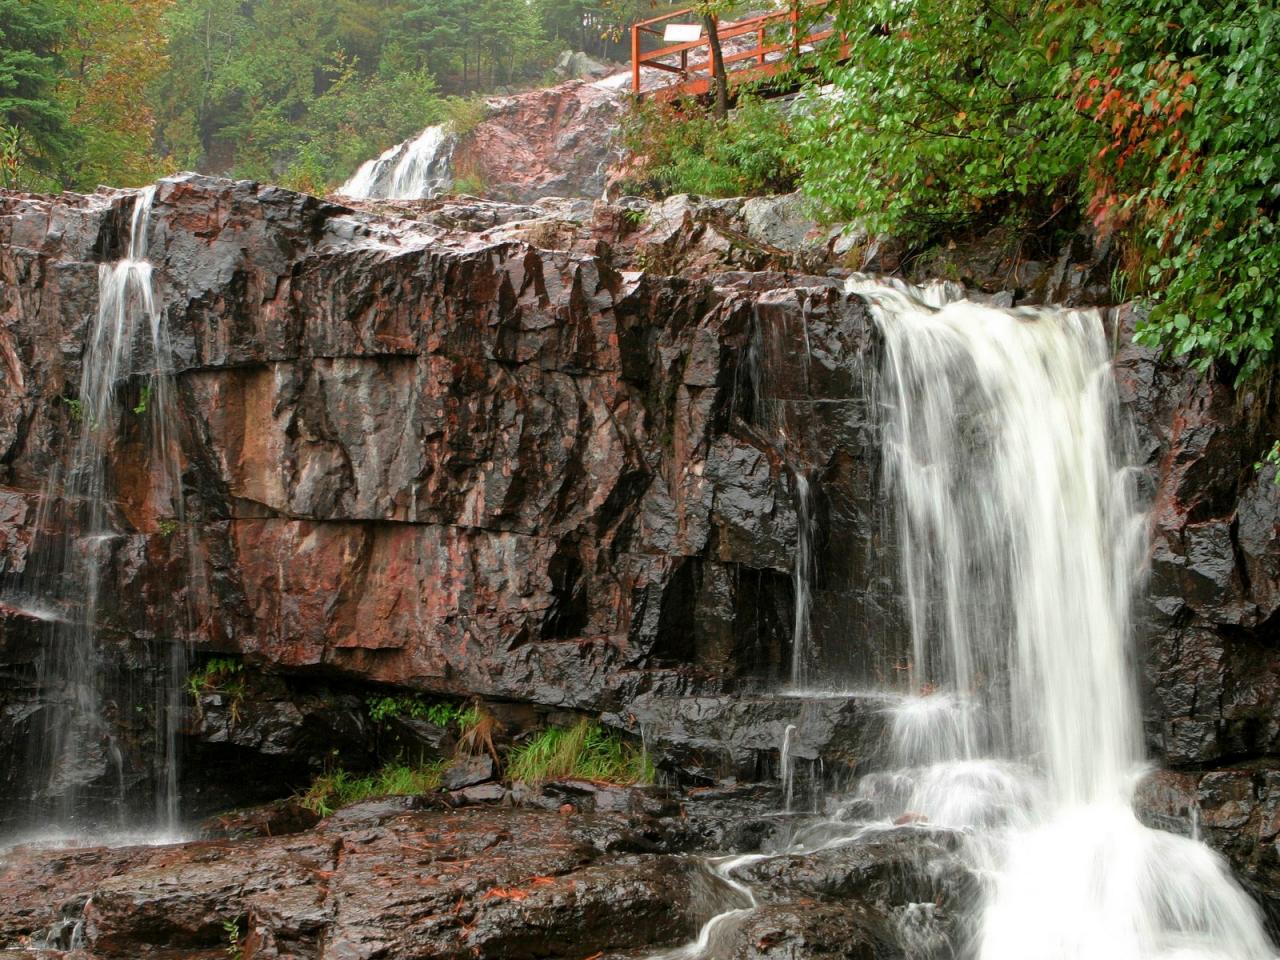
(776,39)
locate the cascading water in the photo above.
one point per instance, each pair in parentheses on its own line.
(802,581)
(417,169)
(1021,545)
(85,773)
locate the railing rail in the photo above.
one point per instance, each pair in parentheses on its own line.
(764,58)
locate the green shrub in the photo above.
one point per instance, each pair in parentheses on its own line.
(585,751)
(337,789)
(1157,120)
(469,185)
(220,674)
(463,114)
(682,148)
(442,714)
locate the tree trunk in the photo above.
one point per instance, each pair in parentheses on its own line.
(719,81)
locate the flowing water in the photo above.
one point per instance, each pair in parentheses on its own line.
(417,169)
(1021,546)
(101,726)
(802,580)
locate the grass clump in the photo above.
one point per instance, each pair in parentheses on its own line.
(585,751)
(337,789)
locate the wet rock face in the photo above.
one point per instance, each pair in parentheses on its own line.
(553,142)
(1209,619)
(464,448)
(425,457)
(375,881)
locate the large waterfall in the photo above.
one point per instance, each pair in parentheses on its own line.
(1021,546)
(107,748)
(1016,726)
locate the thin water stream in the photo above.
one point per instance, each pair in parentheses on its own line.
(87,775)
(1018,728)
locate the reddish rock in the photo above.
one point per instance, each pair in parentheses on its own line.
(373,881)
(554,142)
(463,463)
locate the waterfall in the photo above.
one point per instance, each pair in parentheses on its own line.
(86,773)
(1021,546)
(802,579)
(417,169)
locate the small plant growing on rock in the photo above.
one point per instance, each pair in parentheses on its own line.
(479,727)
(464,114)
(1272,456)
(220,675)
(167,526)
(337,789)
(231,928)
(144,401)
(469,185)
(75,407)
(585,751)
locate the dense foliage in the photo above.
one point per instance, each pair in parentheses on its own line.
(36,129)
(296,91)
(1159,120)
(683,148)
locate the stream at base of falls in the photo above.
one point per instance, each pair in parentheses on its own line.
(1016,732)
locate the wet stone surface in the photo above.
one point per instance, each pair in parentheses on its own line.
(384,880)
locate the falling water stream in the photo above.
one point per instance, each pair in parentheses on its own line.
(1021,546)
(86,776)
(417,169)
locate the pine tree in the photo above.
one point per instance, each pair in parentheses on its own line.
(42,139)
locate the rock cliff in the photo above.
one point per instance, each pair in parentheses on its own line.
(474,450)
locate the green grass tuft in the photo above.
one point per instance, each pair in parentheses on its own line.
(333,791)
(586,751)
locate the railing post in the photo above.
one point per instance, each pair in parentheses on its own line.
(760,44)
(635,58)
(795,28)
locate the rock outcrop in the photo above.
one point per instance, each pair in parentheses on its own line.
(475,450)
(555,142)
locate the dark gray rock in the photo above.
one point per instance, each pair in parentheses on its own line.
(467,772)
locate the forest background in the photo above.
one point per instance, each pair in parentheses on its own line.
(298,92)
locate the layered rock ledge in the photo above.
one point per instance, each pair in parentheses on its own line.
(480,450)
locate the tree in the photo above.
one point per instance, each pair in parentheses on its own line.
(112,54)
(1156,120)
(719,79)
(31,32)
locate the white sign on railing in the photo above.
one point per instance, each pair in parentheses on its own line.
(682,33)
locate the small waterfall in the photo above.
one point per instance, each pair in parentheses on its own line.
(417,169)
(731,901)
(802,578)
(1021,546)
(86,774)
(787,763)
